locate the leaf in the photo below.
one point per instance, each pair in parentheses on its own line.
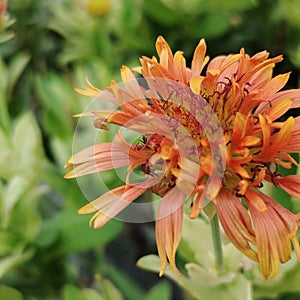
(90,294)
(286,281)
(71,292)
(4,77)
(211,6)
(212,25)
(14,190)
(16,68)
(9,262)
(58,100)
(201,284)
(192,248)
(7,163)
(161,291)
(25,218)
(76,235)
(8,241)
(129,288)
(149,262)
(27,145)
(7,292)
(4,37)
(160,13)
(109,291)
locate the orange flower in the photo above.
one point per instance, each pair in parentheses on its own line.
(213,137)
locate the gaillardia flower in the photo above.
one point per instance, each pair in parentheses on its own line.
(209,137)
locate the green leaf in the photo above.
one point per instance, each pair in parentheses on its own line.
(6,36)
(212,25)
(8,241)
(90,294)
(16,68)
(76,235)
(17,259)
(204,284)
(149,262)
(7,292)
(71,292)
(192,248)
(59,104)
(129,288)
(109,291)
(27,145)
(287,280)
(160,13)
(7,161)
(14,190)
(4,76)
(211,6)
(25,218)
(161,291)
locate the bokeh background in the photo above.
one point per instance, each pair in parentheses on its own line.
(47,250)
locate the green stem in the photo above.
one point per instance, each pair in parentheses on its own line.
(4,115)
(215,228)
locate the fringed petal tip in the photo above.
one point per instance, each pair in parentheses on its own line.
(87,209)
(98,220)
(71,174)
(68,164)
(172,266)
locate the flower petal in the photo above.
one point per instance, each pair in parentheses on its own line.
(290,183)
(102,157)
(273,228)
(169,223)
(236,222)
(111,203)
(293,144)
(199,59)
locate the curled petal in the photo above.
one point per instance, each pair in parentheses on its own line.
(168,226)
(165,53)
(290,183)
(131,83)
(199,59)
(293,144)
(108,205)
(256,201)
(236,222)
(180,66)
(102,157)
(111,203)
(278,109)
(273,86)
(274,229)
(293,94)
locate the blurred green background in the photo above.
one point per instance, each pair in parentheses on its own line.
(47,48)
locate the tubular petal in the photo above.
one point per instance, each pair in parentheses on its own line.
(290,183)
(236,222)
(256,201)
(282,138)
(278,109)
(199,60)
(180,66)
(184,155)
(168,226)
(274,85)
(274,228)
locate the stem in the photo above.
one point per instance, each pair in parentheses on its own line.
(215,229)
(4,115)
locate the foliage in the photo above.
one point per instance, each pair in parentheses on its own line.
(47,48)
